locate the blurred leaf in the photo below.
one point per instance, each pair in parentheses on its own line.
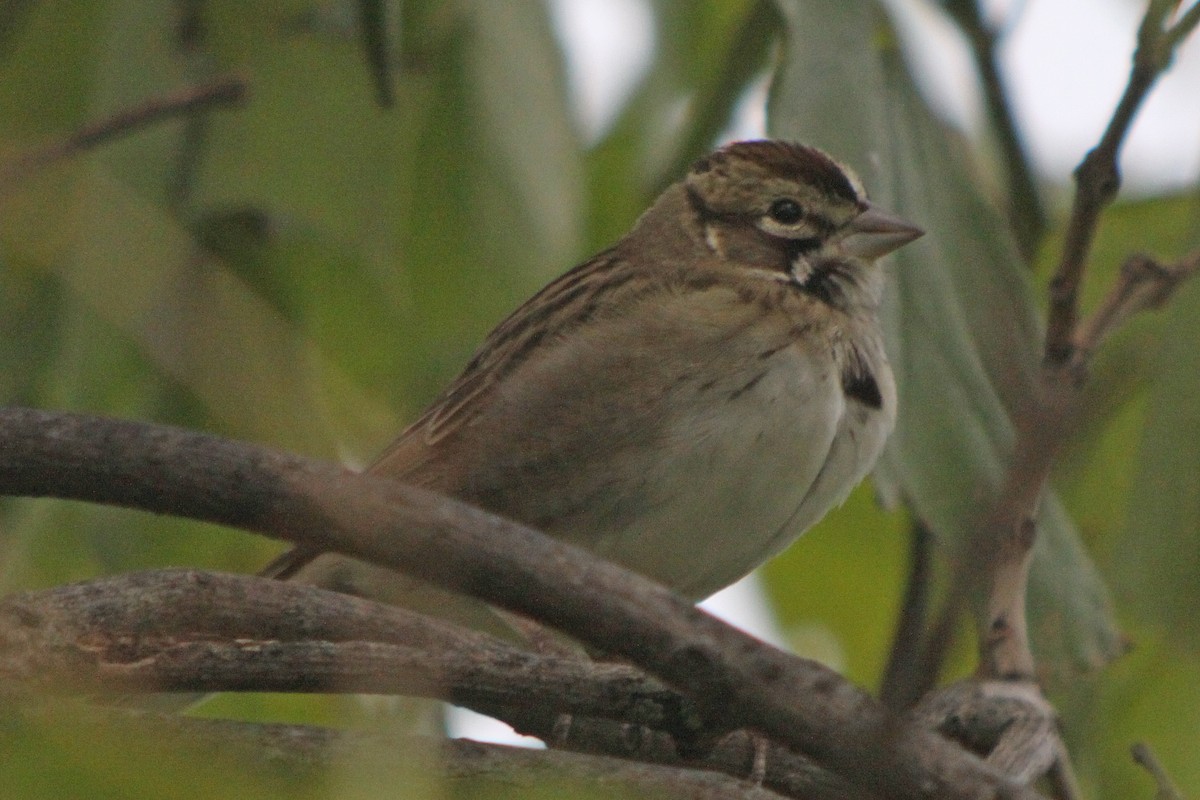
(461,199)
(1148,695)
(1157,559)
(47,64)
(28,334)
(707,55)
(60,756)
(1096,471)
(846,573)
(959,317)
(373,28)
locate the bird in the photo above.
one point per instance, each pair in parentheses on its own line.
(687,402)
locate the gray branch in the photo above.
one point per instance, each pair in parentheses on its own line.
(735,680)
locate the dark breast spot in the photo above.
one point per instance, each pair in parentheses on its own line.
(859,384)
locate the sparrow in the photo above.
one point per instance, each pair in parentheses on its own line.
(687,402)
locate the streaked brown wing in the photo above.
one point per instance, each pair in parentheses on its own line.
(561,306)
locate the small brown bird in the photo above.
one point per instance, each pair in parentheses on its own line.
(687,402)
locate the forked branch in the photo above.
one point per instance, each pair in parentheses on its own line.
(1004,542)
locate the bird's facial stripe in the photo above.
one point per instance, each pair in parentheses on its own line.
(714,240)
(799,269)
(769,274)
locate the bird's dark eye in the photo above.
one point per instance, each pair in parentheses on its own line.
(785,211)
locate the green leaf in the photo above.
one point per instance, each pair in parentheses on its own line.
(1147,696)
(1096,472)
(707,56)
(1157,560)
(959,316)
(844,577)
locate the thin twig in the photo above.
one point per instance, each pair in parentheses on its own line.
(1026,212)
(1166,789)
(1002,548)
(1007,533)
(1142,284)
(372,25)
(226,91)
(1098,178)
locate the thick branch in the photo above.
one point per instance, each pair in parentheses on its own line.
(731,676)
(189,631)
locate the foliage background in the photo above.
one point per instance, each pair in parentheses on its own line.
(308,269)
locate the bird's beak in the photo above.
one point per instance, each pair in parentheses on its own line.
(875,232)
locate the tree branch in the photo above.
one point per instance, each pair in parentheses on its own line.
(1144,757)
(1026,213)
(190,631)
(179,630)
(225,91)
(733,678)
(1098,178)
(1005,538)
(1002,547)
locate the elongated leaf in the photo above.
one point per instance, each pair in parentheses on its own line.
(1157,559)
(959,316)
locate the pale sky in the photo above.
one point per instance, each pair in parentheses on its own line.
(1066,62)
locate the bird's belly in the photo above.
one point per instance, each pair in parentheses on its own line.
(735,478)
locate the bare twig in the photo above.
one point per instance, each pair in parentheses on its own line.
(1142,284)
(733,678)
(1007,533)
(225,91)
(1026,211)
(1003,544)
(1166,789)
(1098,178)
(1007,536)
